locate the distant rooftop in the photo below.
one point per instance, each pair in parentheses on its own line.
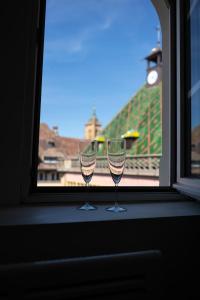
(51,144)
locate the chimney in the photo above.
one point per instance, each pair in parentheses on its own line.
(55,130)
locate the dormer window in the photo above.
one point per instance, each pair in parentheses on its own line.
(50,159)
(51,144)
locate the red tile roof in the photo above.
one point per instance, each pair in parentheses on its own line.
(65,147)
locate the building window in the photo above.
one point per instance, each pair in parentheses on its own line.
(50,159)
(51,144)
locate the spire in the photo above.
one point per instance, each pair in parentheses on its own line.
(94,112)
(93,116)
(158,36)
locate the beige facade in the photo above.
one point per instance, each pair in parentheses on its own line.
(55,153)
(92,128)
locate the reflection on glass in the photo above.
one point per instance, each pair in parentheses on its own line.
(194,84)
(87,155)
(116,155)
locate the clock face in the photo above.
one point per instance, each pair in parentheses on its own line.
(152,77)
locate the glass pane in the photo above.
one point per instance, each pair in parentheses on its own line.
(102,79)
(194,89)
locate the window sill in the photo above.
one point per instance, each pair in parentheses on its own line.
(63,214)
(189,187)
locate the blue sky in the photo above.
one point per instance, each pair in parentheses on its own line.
(93,57)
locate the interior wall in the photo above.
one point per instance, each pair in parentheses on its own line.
(16,39)
(175,238)
(14,43)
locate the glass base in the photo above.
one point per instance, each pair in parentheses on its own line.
(87,206)
(116,209)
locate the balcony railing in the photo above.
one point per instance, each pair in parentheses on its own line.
(138,165)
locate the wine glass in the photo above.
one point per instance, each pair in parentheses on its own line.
(116,155)
(87,157)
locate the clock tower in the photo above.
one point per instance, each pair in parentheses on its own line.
(154,64)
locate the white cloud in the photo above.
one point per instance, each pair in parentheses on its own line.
(67,45)
(106,12)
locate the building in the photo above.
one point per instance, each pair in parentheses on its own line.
(55,156)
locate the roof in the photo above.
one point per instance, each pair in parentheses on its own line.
(93,119)
(53,152)
(143,113)
(153,55)
(64,147)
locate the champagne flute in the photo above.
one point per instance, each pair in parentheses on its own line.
(116,155)
(87,157)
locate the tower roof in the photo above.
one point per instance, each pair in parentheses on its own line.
(93,119)
(154,54)
(157,51)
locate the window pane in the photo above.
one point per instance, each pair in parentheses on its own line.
(102,79)
(194,89)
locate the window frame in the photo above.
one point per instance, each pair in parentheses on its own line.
(32,108)
(186,183)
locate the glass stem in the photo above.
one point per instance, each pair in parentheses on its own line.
(87,184)
(116,195)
